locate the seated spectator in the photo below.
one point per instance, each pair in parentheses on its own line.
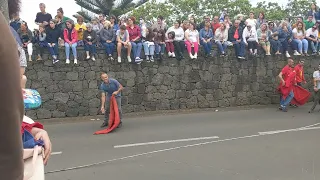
(178,39)
(43,17)
(80,27)
(284,36)
(261,20)
(203,23)
(40,41)
(299,35)
(123,41)
(240,17)
(263,36)
(221,38)
(90,40)
(274,41)
(149,45)
(160,24)
(53,34)
(102,18)
(299,19)
(107,37)
(135,38)
(192,40)
(309,22)
(160,44)
(251,20)
(206,36)
(169,43)
(192,20)
(114,23)
(26,38)
(312,38)
(215,23)
(70,37)
(63,18)
(96,26)
(314,13)
(16,22)
(250,39)
(185,25)
(235,36)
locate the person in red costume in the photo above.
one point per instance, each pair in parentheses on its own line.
(287,81)
(300,73)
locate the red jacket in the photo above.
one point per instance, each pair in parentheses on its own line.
(74,36)
(300,73)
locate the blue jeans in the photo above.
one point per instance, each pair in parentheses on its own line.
(222,46)
(301,44)
(109,47)
(54,51)
(90,48)
(314,46)
(285,102)
(239,47)
(136,48)
(148,50)
(74,50)
(160,48)
(207,46)
(275,45)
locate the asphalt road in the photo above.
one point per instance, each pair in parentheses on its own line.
(236,149)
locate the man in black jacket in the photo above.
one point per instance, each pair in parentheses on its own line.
(235,36)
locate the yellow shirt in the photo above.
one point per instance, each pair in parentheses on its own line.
(80,29)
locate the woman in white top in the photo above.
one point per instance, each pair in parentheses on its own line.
(178,40)
(299,35)
(221,37)
(250,38)
(252,20)
(192,40)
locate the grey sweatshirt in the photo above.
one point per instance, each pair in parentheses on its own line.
(107,34)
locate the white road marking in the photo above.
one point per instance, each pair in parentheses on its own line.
(288,130)
(166,141)
(56,153)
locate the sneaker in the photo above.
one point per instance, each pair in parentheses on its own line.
(306,54)
(75,61)
(147,58)
(120,124)
(104,124)
(88,57)
(173,55)
(67,61)
(195,56)
(138,60)
(111,58)
(55,61)
(268,54)
(296,53)
(314,54)
(288,55)
(129,59)
(191,56)
(93,58)
(151,59)
(119,59)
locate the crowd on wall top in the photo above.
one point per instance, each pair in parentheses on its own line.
(157,40)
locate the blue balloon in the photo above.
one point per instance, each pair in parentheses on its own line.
(31,98)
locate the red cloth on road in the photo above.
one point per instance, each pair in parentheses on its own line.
(114,118)
(301,96)
(289,76)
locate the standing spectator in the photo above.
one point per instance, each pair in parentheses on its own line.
(263,36)
(40,41)
(90,40)
(316,89)
(53,34)
(312,38)
(300,73)
(185,25)
(221,38)
(314,13)
(70,37)
(143,27)
(43,17)
(261,20)
(169,43)
(235,36)
(178,39)
(107,36)
(160,44)
(193,20)
(16,22)
(63,18)
(240,17)
(206,36)
(309,22)
(299,35)
(192,40)
(96,26)
(114,23)
(149,45)
(251,20)
(135,38)
(80,27)
(250,38)
(215,23)
(26,38)
(123,41)
(160,24)
(284,35)
(227,22)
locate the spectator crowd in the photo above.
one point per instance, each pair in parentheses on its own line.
(253,35)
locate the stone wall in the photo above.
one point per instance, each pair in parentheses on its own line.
(72,90)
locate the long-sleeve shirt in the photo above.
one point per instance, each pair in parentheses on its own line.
(80,28)
(134,32)
(206,34)
(221,36)
(53,34)
(299,73)
(266,34)
(107,34)
(11,106)
(90,36)
(249,35)
(25,36)
(178,33)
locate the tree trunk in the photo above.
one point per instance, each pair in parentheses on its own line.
(4,8)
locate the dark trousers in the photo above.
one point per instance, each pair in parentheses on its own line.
(252,44)
(90,48)
(239,48)
(316,100)
(284,45)
(275,45)
(40,47)
(54,51)
(179,47)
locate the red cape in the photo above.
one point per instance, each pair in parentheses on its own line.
(114,119)
(301,96)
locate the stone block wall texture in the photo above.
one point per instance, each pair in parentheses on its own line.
(72,90)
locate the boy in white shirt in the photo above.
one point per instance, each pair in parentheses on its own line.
(316,88)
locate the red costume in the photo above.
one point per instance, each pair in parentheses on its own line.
(300,73)
(289,77)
